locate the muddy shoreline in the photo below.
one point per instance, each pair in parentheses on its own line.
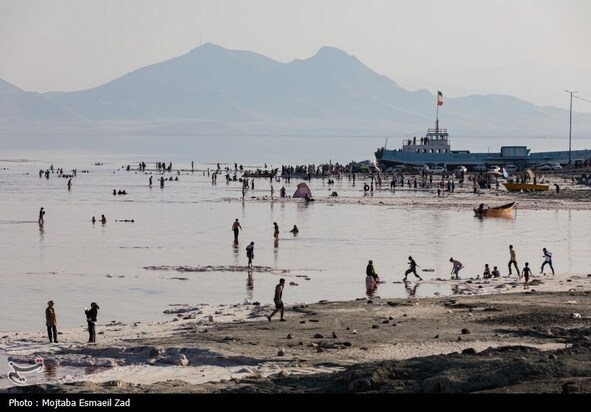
(524,342)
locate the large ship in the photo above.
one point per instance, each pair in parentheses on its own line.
(434,149)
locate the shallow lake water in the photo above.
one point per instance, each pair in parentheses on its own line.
(188,223)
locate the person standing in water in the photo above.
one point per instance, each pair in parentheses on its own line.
(103,219)
(236,228)
(276,231)
(456,267)
(150,181)
(51,322)
(250,253)
(41,219)
(370,271)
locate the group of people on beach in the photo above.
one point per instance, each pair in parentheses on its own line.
(372,279)
(51,321)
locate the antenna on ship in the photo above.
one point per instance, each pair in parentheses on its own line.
(439,103)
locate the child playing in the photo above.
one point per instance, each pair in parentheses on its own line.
(526,272)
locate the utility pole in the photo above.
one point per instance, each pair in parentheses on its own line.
(570,124)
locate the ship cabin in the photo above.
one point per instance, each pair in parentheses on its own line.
(435,141)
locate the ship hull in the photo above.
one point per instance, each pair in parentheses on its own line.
(471,160)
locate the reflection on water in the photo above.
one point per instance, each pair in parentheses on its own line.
(370,291)
(249,286)
(49,371)
(411,290)
(235,251)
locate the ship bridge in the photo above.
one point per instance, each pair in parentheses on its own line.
(435,141)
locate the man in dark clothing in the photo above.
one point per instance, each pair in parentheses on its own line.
(91,319)
(412,269)
(250,253)
(235,228)
(51,322)
(370,271)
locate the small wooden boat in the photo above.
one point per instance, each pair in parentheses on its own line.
(526,187)
(498,211)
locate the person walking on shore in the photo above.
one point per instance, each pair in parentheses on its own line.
(526,274)
(91,315)
(412,269)
(456,267)
(547,260)
(278,299)
(250,253)
(236,227)
(51,322)
(513,261)
(276,231)
(41,219)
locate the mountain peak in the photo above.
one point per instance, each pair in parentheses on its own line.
(330,51)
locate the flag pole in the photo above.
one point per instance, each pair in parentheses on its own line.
(437,116)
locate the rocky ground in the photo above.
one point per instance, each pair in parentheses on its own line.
(525,342)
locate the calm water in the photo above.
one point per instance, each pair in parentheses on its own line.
(188,223)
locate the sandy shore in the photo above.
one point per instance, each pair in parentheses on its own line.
(493,337)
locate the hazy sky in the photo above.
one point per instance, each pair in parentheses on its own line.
(531,49)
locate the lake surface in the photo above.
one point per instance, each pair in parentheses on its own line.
(74,262)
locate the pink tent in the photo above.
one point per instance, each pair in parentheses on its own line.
(302,191)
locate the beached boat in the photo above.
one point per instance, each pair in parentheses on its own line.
(497,211)
(526,187)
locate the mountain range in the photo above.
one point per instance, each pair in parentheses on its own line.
(213,90)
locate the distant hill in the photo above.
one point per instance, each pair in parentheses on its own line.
(216,90)
(18,106)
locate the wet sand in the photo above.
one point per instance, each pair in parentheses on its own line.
(507,340)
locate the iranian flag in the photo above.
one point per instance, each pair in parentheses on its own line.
(439,98)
